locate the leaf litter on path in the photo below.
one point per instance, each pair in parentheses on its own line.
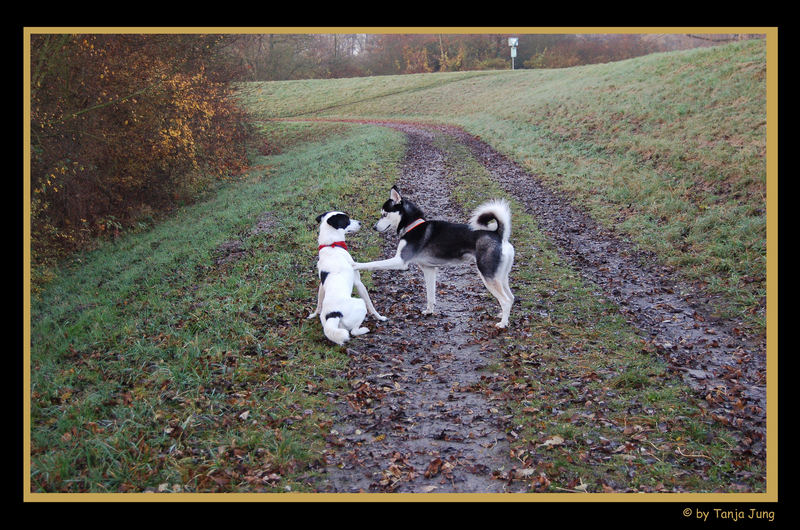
(416,422)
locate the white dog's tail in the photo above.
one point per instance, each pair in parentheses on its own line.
(493,215)
(330,326)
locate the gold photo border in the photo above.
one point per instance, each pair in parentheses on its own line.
(771,493)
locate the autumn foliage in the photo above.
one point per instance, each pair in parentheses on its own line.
(123,126)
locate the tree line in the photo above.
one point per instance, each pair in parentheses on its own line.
(271,57)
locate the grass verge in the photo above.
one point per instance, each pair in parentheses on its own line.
(179,359)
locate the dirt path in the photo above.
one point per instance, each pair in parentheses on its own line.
(413,421)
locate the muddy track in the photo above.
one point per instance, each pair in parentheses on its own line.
(412,421)
(725,367)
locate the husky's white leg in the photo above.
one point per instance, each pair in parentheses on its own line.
(395,263)
(507,262)
(430,288)
(495,287)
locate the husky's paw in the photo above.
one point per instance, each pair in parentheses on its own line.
(501,325)
(381,318)
(427,311)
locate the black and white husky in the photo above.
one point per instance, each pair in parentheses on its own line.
(341,314)
(432,244)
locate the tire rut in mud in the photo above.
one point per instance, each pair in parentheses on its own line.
(418,417)
(724,366)
(421,425)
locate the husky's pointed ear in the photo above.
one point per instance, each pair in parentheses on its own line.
(394,194)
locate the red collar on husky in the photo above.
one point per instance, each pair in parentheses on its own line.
(412,226)
(334,244)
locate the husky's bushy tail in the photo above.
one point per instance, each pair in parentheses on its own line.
(495,211)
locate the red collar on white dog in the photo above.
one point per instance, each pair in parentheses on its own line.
(341,244)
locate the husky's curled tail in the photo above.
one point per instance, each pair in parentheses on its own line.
(493,215)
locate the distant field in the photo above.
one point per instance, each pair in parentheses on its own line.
(668,148)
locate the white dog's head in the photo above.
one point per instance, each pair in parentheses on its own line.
(334,225)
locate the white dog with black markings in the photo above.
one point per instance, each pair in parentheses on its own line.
(340,313)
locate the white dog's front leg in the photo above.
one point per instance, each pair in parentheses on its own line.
(320,297)
(430,288)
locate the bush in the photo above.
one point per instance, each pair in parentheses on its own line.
(121,123)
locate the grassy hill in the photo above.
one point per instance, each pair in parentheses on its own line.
(668,148)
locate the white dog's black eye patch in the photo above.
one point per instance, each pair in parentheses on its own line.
(339,221)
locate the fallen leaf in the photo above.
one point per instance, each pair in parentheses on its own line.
(433,468)
(552,441)
(523,473)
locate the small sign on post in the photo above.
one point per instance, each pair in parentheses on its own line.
(513,42)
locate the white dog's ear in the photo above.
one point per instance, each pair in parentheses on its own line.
(395,194)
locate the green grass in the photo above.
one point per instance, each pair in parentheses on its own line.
(153,366)
(668,148)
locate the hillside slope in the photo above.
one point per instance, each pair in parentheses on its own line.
(669,149)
